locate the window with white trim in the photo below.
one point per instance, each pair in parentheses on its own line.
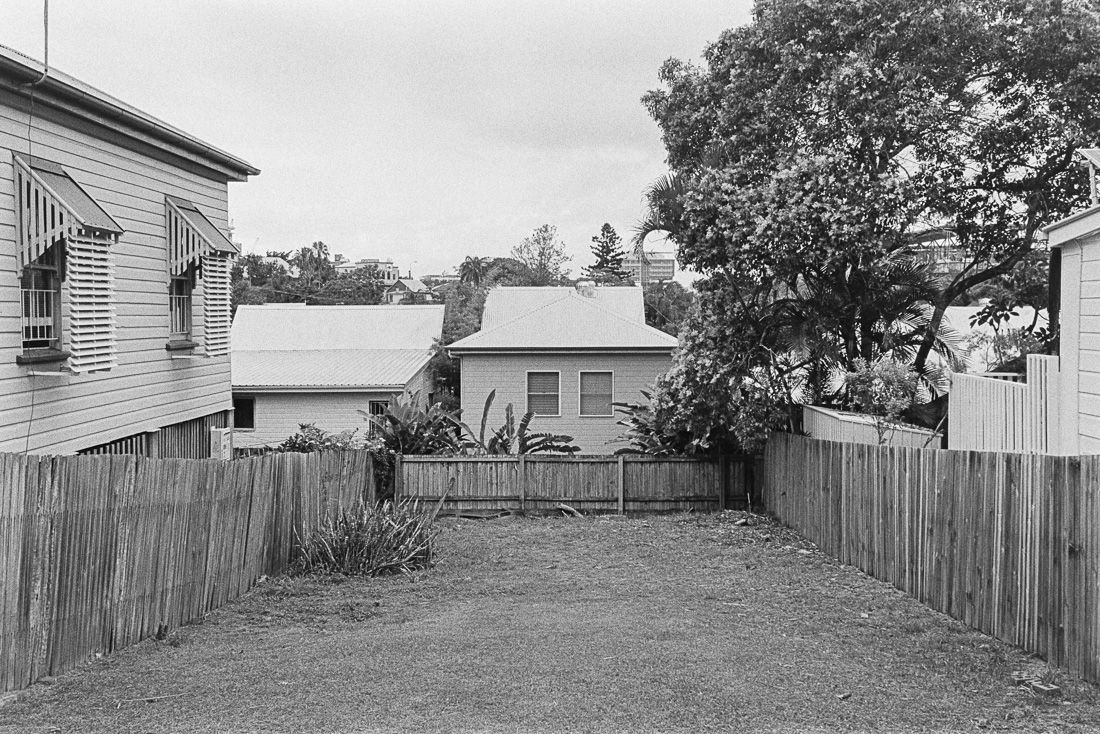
(65,263)
(198,252)
(544,393)
(596,393)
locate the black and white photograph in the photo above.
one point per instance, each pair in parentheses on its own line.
(522,366)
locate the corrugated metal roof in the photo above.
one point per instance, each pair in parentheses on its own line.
(505,303)
(344,369)
(290,327)
(569,322)
(205,227)
(70,192)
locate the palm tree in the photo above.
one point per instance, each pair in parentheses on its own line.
(665,207)
(472,270)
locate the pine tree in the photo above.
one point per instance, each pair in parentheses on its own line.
(607,246)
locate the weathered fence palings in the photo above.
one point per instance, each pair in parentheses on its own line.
(99,552)
(1007,543)
(594,483)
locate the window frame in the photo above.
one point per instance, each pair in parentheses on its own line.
(187,278)
(527,392)
(580,393)
(55,275)
(252,399)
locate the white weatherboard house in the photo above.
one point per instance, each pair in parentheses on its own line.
(566,354)
(295,364)
(114,273)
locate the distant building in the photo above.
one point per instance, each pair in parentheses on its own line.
(662,266)
(295,364)
(388,273)
(567,355)
(405,287)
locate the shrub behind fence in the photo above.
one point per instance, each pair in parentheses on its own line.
(1007,543)
(99,552)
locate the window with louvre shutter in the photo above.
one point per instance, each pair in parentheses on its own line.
(65,263)
(596,390)
(196,245)
(543,393)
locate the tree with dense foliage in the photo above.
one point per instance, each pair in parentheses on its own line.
(607,247)
(255,281)
(544,255)
(463,306)
(473,269)
(819,142)
(667,305)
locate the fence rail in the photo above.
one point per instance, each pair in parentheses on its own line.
(592,483)
(1007,543)
(99,552)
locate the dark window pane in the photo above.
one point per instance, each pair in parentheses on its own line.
(244,412)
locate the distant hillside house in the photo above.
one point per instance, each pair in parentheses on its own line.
(566,354)
(408,287)
(296,364)
(114,273)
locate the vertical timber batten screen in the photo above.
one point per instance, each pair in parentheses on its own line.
(1007,543)
(99,552)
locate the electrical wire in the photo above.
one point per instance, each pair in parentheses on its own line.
(30,154)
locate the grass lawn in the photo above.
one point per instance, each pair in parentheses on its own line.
(672,624)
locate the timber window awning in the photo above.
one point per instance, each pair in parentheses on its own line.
(196,242)
(60,223)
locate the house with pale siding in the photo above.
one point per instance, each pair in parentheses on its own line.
(565,354)
(114,273)
(295,364)
(1056,410)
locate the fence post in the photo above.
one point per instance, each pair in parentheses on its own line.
(522,483)
(622,484)
(723,480)
(398,478)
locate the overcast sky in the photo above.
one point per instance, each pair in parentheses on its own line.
(417,131)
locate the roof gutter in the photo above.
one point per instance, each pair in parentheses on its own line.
(562,350)
(64,92)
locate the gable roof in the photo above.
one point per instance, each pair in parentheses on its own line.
(409,284)
(291,346)
(567,322)
(505,303)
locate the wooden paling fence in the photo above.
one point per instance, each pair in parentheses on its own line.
(586,483)
(99,552)
(1007,543)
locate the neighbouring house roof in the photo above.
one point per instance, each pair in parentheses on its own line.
(506,303)
(409,284)
(289,346)
(567,321)
(64,92)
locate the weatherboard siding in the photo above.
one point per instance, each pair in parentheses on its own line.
(147,388)
(279,415)
(507,374)
(1087,345)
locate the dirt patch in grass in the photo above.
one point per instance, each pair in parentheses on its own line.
(672,624)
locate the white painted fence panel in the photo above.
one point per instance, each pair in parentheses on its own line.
(1010,417)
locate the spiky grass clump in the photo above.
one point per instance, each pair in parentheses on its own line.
(371,541)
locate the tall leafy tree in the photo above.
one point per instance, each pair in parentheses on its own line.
(818,142)
(607,246)
(543,253)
